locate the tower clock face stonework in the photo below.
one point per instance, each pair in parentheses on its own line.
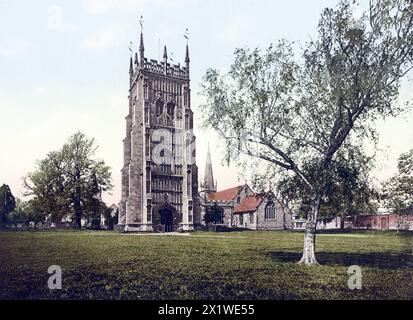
(160,175)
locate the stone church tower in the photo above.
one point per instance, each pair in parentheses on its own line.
(159,176)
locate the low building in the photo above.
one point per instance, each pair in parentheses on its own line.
(241,207)
(262,212)
(227,200)
(299,223)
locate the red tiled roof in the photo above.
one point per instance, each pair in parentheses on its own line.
(249,204)
(226,195)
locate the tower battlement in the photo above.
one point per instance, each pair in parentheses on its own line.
(158,67)
(164,68)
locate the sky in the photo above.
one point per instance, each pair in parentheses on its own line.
(64,68)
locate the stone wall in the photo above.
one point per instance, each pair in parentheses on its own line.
(329,225)
(282,217)
(380,222)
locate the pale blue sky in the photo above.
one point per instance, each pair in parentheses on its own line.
(64,67)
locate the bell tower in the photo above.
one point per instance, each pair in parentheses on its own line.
(159,174)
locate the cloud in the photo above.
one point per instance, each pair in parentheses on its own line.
(105,38)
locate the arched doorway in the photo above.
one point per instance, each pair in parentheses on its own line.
(167,219)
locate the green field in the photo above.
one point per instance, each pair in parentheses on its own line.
(241,265)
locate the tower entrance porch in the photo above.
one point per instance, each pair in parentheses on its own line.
(166,219)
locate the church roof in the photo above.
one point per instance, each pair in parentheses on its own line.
(249,204)
(226,195)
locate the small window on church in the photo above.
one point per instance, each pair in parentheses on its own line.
(238,200)
(270,211)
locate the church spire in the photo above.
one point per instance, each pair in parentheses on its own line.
(209,184)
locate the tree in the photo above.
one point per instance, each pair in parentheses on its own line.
(398,191)
(70,181)
(295,114)
(48,188)
(34,213)
(20,213)
(7,203)
(111,217)
(95,206)
(348,189)
(214,215)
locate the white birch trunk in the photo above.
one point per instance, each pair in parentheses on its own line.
(310,236)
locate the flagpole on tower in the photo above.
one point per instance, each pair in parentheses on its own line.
(186,36)
(131,48)
(141,21)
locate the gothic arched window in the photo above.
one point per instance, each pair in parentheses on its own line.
(187,124)
(170,109)
(159,107)
(270,211)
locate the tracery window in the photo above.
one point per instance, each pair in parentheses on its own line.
(270,211)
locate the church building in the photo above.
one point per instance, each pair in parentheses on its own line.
(159,174)
(241,207)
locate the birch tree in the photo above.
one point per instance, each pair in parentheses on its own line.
(297,112)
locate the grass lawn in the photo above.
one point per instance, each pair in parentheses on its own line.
(241,265)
